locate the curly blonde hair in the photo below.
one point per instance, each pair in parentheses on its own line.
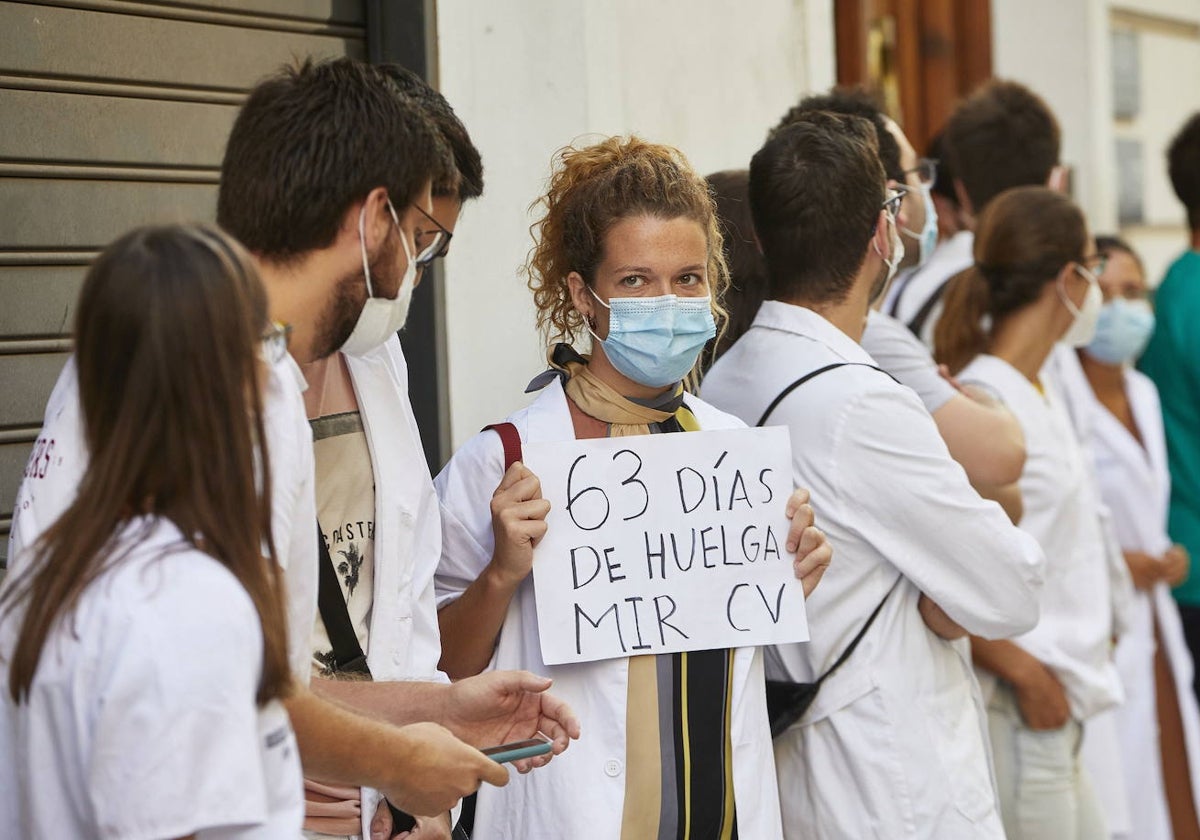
(591,189)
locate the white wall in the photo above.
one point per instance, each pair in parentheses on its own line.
(1060,50)
(529,76)
(1170,90)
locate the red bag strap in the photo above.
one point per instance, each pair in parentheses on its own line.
(511,438)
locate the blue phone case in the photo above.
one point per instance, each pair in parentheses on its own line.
(523,752)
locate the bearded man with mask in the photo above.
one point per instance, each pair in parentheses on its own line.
(981,434)
(345,287)
(894,744)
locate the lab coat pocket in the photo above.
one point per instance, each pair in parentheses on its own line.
(957,736)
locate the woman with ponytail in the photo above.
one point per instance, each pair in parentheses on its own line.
(627,251)
(1032,286)
(143,636)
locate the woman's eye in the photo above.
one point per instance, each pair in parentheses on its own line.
(691,279)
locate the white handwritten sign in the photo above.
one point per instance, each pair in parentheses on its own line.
(665,543)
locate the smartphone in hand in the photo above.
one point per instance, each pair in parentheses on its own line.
(519,749)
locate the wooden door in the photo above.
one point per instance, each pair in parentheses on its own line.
(920,57)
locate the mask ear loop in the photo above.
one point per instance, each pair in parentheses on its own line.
(362,247)
(591,321)
(408,254)
(892,221)
(1066,298)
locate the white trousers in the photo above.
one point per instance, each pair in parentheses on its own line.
(1045,793)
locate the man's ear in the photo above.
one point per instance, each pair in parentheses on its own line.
(901,213)
(1059,179)
(376,219)
(881,240)
(580,296)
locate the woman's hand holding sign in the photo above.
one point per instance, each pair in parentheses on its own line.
(518,522)
(471,625)
(806,542)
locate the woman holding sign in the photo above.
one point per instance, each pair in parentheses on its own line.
(629,251)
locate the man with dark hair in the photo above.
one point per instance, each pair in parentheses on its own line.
(375,499)
(896,736)
(327,178)
(903,168)
(1172,360)
(1003,136)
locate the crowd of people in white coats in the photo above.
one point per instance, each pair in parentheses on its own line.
(239,606)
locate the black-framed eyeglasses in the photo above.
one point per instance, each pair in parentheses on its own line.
(440,244)
(275,341)
(926,170)
(894,198)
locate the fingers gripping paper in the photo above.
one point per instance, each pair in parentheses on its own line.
(665,543)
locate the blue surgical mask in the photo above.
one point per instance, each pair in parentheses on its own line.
(928,237)
(655,341)
(1122,331)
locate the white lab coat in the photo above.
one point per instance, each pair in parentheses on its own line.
(895,745)
(906,299)
(404,642)
(59,460)
(1062,510)
(580,794)
(1135,485)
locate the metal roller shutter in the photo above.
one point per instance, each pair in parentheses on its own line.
(114,114)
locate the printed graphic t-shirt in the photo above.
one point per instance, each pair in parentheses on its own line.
(345,490)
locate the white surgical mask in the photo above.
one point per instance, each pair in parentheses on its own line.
(655,341)
(928,237)
(1122,331)
(1083,328)
(381,317)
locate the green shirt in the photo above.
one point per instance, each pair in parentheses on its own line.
(1172,360)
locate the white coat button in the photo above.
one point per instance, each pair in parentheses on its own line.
(613,768)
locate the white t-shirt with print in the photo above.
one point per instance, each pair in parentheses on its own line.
(141,721)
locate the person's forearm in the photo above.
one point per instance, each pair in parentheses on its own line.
(1008,496)
(985,439)
(342,747)
(398,703)
(471,625)
(1005,659)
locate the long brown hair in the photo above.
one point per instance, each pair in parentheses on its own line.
(1025,237)
(591,189)
(167,340)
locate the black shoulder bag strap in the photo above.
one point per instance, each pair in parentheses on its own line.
(348,657)
(787,701)
(917,324)
(812,375)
